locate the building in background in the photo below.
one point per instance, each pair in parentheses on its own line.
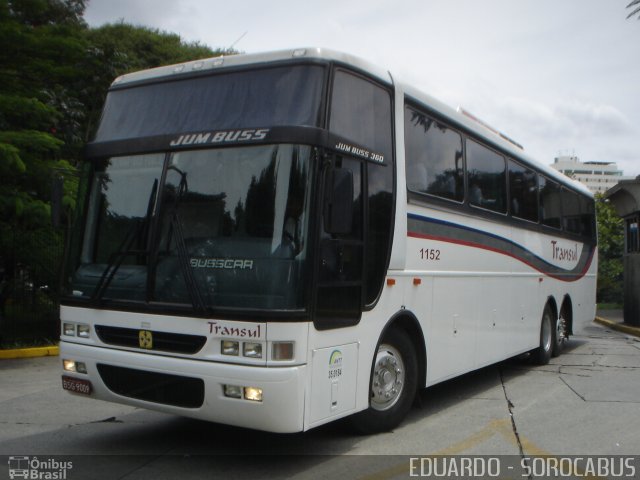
(597,176)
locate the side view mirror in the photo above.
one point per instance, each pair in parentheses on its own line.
(57,188)
(338,201)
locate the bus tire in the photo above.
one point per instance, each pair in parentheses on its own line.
(393,384)
(542,354)
(559,336)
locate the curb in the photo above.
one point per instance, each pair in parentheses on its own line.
(618,326)
(29,352)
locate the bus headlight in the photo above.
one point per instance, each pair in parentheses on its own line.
(83,330)
(252,350)
(73,366)
(253,393)
(229,347)
(232,391)
(69,329)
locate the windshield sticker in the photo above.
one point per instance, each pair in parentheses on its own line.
(224,136)
(359,152)
(224,263)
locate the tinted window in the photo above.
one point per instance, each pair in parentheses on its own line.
(523,190)
(571,211)
(361,112)
(434,157)
(587,217)
(380,213)
(257,98)
(487,178)
(550,203)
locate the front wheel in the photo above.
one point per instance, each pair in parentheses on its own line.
(393,384)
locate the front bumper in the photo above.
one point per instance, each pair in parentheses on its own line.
(281,409)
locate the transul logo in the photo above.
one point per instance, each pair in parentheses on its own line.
(37,469)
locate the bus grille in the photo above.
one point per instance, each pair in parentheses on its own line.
(153,387)
(162,341)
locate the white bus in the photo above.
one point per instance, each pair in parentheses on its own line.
(279,240)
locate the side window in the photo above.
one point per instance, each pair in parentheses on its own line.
(570,211)
(361,112)
(434,157)
(550,203)
(587,217)
(487,178)
(523,189)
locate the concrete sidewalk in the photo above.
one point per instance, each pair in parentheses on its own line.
(614,320)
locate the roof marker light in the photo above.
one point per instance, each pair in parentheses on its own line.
(301,52)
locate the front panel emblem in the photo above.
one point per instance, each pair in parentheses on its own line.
(145,339)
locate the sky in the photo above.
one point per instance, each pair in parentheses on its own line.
(560,77)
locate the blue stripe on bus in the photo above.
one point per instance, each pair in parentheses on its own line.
(430,228)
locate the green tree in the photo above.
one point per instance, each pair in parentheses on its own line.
(635,4)
(54,75)
(610,250)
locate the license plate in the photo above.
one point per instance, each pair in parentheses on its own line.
(76,385)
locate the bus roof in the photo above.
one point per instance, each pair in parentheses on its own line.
(458,118)
(239,60)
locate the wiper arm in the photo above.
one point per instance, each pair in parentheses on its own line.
(183,259)
(124,249)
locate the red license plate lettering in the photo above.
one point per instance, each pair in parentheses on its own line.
(76,385)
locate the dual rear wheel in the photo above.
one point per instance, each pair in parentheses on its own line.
(552,337)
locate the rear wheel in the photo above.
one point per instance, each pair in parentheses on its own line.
(542,354)
(559,335)
(392,385)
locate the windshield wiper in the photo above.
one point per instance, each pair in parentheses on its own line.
(125,248)
(183,259)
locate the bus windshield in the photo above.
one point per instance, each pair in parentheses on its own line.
(210,229)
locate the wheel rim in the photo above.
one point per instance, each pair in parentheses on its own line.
(388,378)
(560,331)
(545,339)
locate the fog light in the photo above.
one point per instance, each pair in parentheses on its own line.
(69,365)
(230,348)
(282,351)
(69,329)
(81,367)
(252,350)
(253,393)
(83,330)
(232,391)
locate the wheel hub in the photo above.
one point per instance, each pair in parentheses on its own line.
(388,378)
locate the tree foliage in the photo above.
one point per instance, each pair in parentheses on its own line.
(610,250)
(635,5)
(54,75)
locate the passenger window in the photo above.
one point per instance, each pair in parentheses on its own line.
(433,157)
(571,211)
(361,112)
(487,178)
(523,189)
(550,203)
(587,217)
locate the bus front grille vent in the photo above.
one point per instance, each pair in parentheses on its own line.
(162,341)
(163,388)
